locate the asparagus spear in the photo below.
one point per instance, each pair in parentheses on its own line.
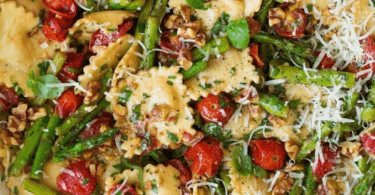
(363,165)
(320,77)
(140,172)
(273,105)
(263,12)
(159,8)
(284,44)
(194,70)
(45,147)
(350,103)
(76,149)
(62,140)
(33,136)
(127,4)
(158,156)
(309,182)
(37,188)
(216,46)
(77,116)
(366,181)
(151,39)
(141,25)
(296,189)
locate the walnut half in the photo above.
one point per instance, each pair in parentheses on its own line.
(292,149)
(350,149)
(283,184)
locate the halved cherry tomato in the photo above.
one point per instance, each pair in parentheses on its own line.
(216,108)
(170,44)
(105,119)
(74,61)
(326,63)
(76,179)
(292,21)
(204,157)
(101,39)
(185,172)
(64,8)
(125,190)
(368,142)
(254,53)
(369,51)
(8,98)
(56,28)
(330,155)
(269,154)
(68,103)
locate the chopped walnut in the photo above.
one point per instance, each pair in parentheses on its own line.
(35,113)
(188,30)
(200,39)
(276,121)
(351,149)
(185,59)
(186,12)
(15,124)
(293,167)
(160,113)
(276,15)
(173,21)
(9,138)
(20,111)
(292,149)
(254,110)
(331,188)
(252,97)
(92,92)
(283,184)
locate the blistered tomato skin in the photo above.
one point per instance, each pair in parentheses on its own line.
(125,190)
(105,119)
(254,53)
(74,61)
(64,8)
(68,103)
(204,157)
(185,172)
(330,155)
(368,142)
(216,108)
(8,98)
(56,28)
(76,179)
(269,154)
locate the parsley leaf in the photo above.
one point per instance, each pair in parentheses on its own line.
(220,25)
(39,86)
(238,33)
(126,96)
(172,137)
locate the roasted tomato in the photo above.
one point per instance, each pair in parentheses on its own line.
(76,179)
(330,155)
(254,53)
(326,63)
(204,157)
(68,103)
(269,154)
(216,108)
(368,142)
(369,51)
(72,67)
(8,98)
(99,38)
(64,8)
(122,189)
(105,119)
(56,28)
(170,44)
(288,21)
(185,172)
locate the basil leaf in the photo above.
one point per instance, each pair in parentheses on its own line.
(197,4)
(241,162)
(238,33)
(39,86)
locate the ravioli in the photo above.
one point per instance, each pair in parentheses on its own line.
(34,6)
(21,41)
(231,71)
(162,178)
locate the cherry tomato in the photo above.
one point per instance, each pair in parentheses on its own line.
(64,8)
(74,62)
(125,190)
(106,119)
(292,21)
(56,28)
(68,103)
(330,155)
(368,142)
(216,108)
(76,179)
(101,39)
(185,172)
(369,50)
(170,44)
(8,98)
(269,154)
(204,157)
(254,53)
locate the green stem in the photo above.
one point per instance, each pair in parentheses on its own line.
(140,172)
(216,46)
(151,39)
(37,188)
(142,19)
(273,105)
(158,156)
(194,70)
(262,14)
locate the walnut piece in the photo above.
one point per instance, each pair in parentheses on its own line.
(350,149)
(173,21)
(331,188)
(92,92)
(292,149)
(186,12)
(283,184)
(35,113)
(20,111)
(15,124)
(185,59)
(293,167)
(254,110)
(189,30)
(9,138)
(276,121)
(160,113)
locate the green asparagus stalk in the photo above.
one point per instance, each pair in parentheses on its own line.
(59,60)
(296,189)
(37,188)
(262,14)
(127,165)
(158,156)
(142,19)
(273,105)
(75,150)
(285,44)
(62,140)
(368,112)
(320,77)
(33,136)
(159,8)
(127,4)
(214,47)
(77,116)
(363,164)
(310,182)
(194,70)
(366,181)
(350,103)
(151,39)
(45,147)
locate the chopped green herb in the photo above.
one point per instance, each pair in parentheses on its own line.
(125,96)
(309,7)
(170,82)
(205,87)
(233,71)
(15,190)
(220,25)
(154,186)
(145,95)
(218,82)
(112,29)
(85,181)
(172,77)
(18,89)
(172,137)
(103,67)
(136,113)
(43,67)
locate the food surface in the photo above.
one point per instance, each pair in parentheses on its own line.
(192,97)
